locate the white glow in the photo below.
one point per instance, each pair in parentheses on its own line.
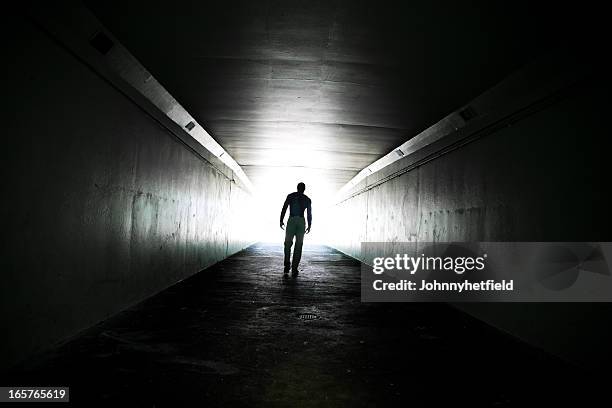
(269,199)
(296,143)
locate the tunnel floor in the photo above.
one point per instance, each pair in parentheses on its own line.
(240,334)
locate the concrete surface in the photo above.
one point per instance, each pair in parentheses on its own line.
(103,205)
(540,178)
(239,334)
(106,206)
(321,89)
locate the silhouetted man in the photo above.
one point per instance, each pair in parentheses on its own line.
(297,203)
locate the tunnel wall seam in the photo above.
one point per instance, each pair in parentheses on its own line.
(537,180)
(83,52)
(478,129)
(107,205)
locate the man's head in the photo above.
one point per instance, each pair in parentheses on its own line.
(301,187)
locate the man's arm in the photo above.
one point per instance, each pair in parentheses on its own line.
(283,211)
(309,216)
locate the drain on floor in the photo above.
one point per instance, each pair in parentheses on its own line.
(307,316)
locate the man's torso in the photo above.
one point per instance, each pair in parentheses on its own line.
(297,204)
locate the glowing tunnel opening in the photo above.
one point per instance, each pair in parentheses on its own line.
(269,198)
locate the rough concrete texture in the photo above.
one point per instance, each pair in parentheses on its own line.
(242,335)
(342,81)
(106,206)
(539,179)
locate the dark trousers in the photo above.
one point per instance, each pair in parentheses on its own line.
(296,227)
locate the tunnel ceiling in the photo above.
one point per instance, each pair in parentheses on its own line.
(324,86)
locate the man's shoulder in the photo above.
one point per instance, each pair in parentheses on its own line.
(296,194)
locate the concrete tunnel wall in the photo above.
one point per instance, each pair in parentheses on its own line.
(537,179)
(107,206)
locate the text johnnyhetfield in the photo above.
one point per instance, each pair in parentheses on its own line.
(435,286)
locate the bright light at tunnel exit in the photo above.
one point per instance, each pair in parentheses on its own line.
(269,201)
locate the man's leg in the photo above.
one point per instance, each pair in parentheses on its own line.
(299,240)
(289,233)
